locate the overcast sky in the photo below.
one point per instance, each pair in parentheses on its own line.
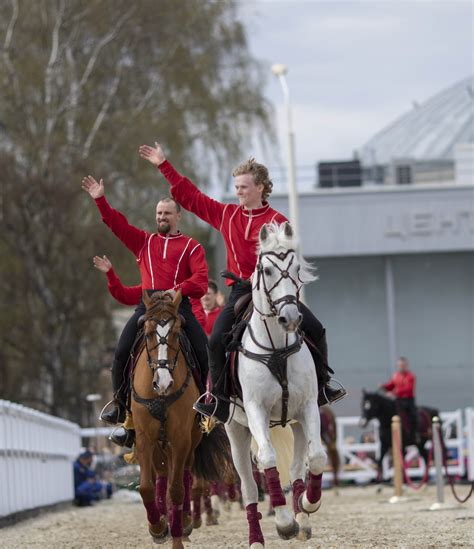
(356,66)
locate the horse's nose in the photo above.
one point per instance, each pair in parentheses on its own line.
(283,321)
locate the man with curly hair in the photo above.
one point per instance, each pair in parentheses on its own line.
(239,225)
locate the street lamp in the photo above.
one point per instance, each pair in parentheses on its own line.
(280,70)
(93,398)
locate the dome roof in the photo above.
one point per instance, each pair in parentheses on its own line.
(428,132)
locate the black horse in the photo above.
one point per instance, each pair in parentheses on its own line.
(380,406)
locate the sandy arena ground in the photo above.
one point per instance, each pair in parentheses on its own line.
(357,517)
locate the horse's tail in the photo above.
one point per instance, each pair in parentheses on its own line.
(282,442)
(212,457)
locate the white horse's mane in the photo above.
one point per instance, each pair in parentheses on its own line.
(278,240)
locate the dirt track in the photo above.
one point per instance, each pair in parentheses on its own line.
(357,517)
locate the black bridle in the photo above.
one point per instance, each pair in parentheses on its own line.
(275,359)
(284,274)
(165,364)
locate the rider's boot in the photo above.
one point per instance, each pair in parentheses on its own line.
(219,407)
(327,394)
(115,411)
(123,437)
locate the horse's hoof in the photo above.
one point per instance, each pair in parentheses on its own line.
(187,525)
(288,532)
(257,546)
(304,534)
(197,523)
(159,532)
(211,519)
(306,506)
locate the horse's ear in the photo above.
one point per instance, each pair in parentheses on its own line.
(263,233)
(288,230)
(177,298)
(146,298)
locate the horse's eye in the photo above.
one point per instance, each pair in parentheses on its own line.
(267,271)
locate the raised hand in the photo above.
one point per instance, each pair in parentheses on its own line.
(102,263)
(90,185)
(154,155)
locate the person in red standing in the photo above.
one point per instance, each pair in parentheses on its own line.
(210,306)
(168,260)
(403,386)
(239,225)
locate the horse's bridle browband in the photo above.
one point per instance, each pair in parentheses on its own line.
(284,273)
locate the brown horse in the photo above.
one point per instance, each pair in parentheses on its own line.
(329,437)
(168,435)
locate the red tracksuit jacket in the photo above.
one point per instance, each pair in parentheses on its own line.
(239,227)
(211,317)
(132,295)
(402,384)
(166,262)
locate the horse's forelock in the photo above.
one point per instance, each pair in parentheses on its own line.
(276,239)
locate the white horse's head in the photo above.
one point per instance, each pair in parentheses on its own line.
(279,275)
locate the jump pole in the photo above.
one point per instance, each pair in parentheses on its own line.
(397,460)
(438,459)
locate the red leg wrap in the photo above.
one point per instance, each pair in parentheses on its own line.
(253,518)
(272,477)
(313,493)
(298,489)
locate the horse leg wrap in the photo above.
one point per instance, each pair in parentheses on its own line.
(207,504)
(313,492)
(298,489)
(152,512)
(272,477)
(214,488)
(176,521)
(253,518)
(188,482)
(231,493)
(161,487)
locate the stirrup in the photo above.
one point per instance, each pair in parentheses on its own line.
(340,387)
(204,397)
(113,401)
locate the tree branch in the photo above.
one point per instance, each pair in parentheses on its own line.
(103,111)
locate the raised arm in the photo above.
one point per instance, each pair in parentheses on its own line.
(131,236)
(126,295)
(183,189)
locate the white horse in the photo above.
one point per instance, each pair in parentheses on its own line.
(271,341)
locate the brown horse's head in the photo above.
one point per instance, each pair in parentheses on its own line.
(162,327)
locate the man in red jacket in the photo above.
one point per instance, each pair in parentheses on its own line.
(239,225)
(402,384)
(211,308)
(168,260)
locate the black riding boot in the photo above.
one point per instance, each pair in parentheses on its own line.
(219,407)
(327,394)
(115,412)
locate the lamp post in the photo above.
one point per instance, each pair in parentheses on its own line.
(280,71)
(93,398)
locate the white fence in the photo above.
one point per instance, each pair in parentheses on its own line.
(358,456)
(36,456)
(470,442)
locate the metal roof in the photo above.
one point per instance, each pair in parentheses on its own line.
(429,131)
